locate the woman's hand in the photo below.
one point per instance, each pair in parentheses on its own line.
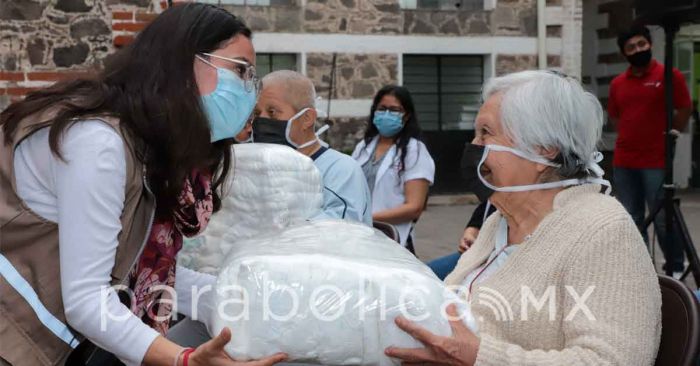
(468,238)
(459,349)
(415,193)
(212,354)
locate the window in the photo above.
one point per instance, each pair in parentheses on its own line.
(442,4)
(248,2)
(683,60)
(269,62)
(446,90)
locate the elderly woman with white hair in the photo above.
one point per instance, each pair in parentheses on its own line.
(559,275)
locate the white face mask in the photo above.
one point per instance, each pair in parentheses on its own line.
(308,143)
(320,131)
(592,166)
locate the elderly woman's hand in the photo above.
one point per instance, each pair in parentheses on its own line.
(459,349)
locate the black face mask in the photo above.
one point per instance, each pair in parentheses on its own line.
(271,131)
(470,163)
(640,59)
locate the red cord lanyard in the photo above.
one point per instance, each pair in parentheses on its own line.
(501,240)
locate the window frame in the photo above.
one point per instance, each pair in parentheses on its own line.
(439,94)
(270,57)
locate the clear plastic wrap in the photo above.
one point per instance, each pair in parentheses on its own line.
(327,292)
(347,281)
(270,187)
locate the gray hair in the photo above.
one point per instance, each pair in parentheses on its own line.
(299,90)
(546,109)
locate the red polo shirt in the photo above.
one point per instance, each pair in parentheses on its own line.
(637,103)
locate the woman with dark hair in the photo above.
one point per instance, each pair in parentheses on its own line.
(396,163)
(101,178)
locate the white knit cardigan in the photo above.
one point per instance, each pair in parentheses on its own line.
(581,290)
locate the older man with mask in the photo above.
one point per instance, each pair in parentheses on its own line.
(285,115)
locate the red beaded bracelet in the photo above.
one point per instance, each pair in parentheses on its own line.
(186,356)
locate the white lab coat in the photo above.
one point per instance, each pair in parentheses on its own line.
(389,184)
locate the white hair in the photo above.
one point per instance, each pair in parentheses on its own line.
(546,109)
(299,89)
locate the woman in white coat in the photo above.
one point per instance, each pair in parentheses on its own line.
(396,163)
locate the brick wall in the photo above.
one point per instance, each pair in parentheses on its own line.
(16,84)
(126,22)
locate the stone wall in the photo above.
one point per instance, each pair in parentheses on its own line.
(51,40)
(44,41)
(279,19)
(345,133)
(509,18)
(358,76)
(506,64)
(452,23)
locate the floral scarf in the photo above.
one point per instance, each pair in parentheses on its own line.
(156,266)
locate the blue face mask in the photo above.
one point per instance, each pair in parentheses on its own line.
(388,123)
(228,106)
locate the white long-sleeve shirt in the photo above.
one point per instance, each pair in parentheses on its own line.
(85,196)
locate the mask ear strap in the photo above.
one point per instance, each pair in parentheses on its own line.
(521,188)
(603,182)
(289,129)
(299,114)
(593,167)
(322,130)
(486,211)
(481,163)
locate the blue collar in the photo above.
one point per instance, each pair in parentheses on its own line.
(319,153)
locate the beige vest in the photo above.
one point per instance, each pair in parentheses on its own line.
(30,244)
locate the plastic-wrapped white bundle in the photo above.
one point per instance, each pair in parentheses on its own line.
(327,292)
(349,281)
(271,187)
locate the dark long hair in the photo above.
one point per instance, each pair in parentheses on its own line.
(150,86)
(410,129)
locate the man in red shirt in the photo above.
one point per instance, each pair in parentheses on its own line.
(636,108)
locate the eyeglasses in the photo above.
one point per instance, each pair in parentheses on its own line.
(245,71)
(390,109)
